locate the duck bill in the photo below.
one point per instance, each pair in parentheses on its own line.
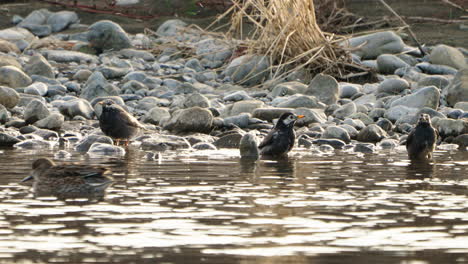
(300,116)
(30,177)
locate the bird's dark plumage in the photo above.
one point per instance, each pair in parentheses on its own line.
(68,181)
(117,123)
(280,140)
(422,139)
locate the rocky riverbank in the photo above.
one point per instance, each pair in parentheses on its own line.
(51,84)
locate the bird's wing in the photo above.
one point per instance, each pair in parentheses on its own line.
(130,120)
(410,138)
(76,171)
(271,137)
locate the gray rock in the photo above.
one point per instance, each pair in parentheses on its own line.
(450,127)
(337,133)
(19,36)
(241,120)
(164,142)
(231,140)
(461,141)
(54,122)
(438,81)
(61,20)
(388,143)
(396,112)
(5,115)
(462,105)
(38,65)
(33,144)
(35,110)
(248,70)
(149,102)
(335,143)
(37,88)
(46,134)
(103,149)
(170,28)
(133,53)
(248,146)
(364,148)
(82,75)
(387,64)
(7,60)
(197,99)
(213,50)
(38,30)
(325,88)
(84,144)
(385,124)
(288,88)
(393,86)
(372,133)
(436,69)
(352,132)
(6,47)
(310,116)
(193,119)
(77,107)
(362,117)
(37,17)
(299,100)
(67,56)
(348,90)
(247,106)
(204,146)
(194,64)
(157,116)
(8,140)
(449,56)
(13,77)
(113,72)
(97,86)
(424,97)
(345,110)
(356,123)
(8,97)
(237,96)
(457,91)
(372,45)
(269,114)
(107,35)
(16,19)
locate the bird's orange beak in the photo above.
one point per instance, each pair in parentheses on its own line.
(300,116)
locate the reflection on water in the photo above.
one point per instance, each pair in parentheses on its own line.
(212,207)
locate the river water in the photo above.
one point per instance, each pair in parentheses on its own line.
(211,207)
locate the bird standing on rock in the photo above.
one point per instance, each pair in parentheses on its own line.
(68,181)
(280,140)
(422,139)
(117,123)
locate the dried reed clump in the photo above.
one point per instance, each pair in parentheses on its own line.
(287,32)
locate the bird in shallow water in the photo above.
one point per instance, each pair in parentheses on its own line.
(422,139)
(117,123)
(68,181)
(280,140)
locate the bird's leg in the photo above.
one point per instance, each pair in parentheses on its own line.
(117,141)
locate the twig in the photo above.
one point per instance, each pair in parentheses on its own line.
(455,5)
(404,23)
(438,20)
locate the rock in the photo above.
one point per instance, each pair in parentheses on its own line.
(237,96)
(164,142)
(33,144)
(149,102)
(450,127)
(84,144)
(67,56)
(337,133)
(107,35)
(248,146)
(310,116)
(372,45)
(345,111)
(436,69)
(18,36)
(156,116)
(288,88)
(140,54)
(364,148)
(371,133)
(36,17)
(38,65)
(388,143)
(247,106)
(61,20)
(457,91)
(269,114)
(38,30)
(396,112)
(325,88)
(54,122)
(14,77)
(335,143)
(424,97)
(77,107)
(348,90)
(46,134)
(7,60)
(6,47)
(193,119)
(103,149)
(248,70)
(5,115)
(8,97)
(241,120)
(97,86)
(461,141)
(113,72)
(438,81)
(362,117)
(8,140)
(462,105)
(387,64)
(393,86)
(37,88)
(213,50)
(231,140)
(82,75)
(170,28)
(449,56)
(196,99)
(299,100)
(62,154)
(35,110)
(385,124)
(356,123)
(204,146)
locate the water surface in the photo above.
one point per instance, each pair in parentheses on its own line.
(211,207)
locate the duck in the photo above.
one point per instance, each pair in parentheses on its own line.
(117,123)
(69,180)
(280,139)
(422,139)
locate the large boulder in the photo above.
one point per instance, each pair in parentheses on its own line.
(21,37)
(457,91)
(107,35)
(193,119)
(424,97)
(13,77)
(372,45)
(325,88)
(248,146)
(451,127)
(97,86)
(449,56)
(8,97)
(61,20)
(248,69)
